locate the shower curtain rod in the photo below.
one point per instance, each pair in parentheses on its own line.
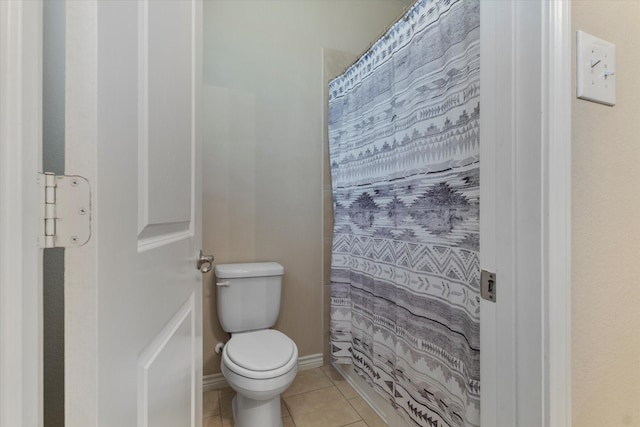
(405,10)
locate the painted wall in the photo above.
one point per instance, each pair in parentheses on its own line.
(263,153)
(606,230)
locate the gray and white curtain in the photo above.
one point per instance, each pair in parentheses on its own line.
(404,149)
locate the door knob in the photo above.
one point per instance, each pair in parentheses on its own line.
(204,262)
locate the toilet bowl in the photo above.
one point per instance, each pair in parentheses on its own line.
(258,363)
(259,366)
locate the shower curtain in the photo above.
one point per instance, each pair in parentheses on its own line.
(404,153)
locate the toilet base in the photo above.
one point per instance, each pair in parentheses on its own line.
(252,413)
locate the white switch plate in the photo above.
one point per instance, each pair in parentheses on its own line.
(596,69)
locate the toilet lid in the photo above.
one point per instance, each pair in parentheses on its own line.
(263,350)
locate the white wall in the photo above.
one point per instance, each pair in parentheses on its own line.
(263,153)
(606,230)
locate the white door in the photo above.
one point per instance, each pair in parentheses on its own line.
(133,322)
(20,257)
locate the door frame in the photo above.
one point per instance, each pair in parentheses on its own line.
(557,120)
(526,233)
(21,387)
(544,26)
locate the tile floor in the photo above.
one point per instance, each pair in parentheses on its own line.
(318,397)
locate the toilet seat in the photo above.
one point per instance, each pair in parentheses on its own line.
(260,354)
(263,350)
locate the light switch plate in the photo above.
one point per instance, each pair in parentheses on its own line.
(596,69)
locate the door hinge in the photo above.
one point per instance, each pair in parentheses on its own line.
(66,211)
(488,285)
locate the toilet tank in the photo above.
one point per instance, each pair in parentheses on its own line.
(248,295)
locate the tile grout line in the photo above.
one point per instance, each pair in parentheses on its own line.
(310,391)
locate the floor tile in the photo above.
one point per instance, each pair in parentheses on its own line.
(214,421)
(312,400)
(368,415)
(210,403)
(332,373)
(321,408)
(337,414)
(338,380)
(319,397)
(226,391)
(308,380)
(226,410)
(283,408)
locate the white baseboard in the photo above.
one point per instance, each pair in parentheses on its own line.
(213,382)
(217,381)
(311,361)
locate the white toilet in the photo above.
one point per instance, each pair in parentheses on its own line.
(259,363)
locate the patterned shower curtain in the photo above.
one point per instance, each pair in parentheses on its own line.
(404,149)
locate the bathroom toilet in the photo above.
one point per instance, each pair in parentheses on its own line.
(258,363)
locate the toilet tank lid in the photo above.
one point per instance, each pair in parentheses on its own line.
(250,269)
